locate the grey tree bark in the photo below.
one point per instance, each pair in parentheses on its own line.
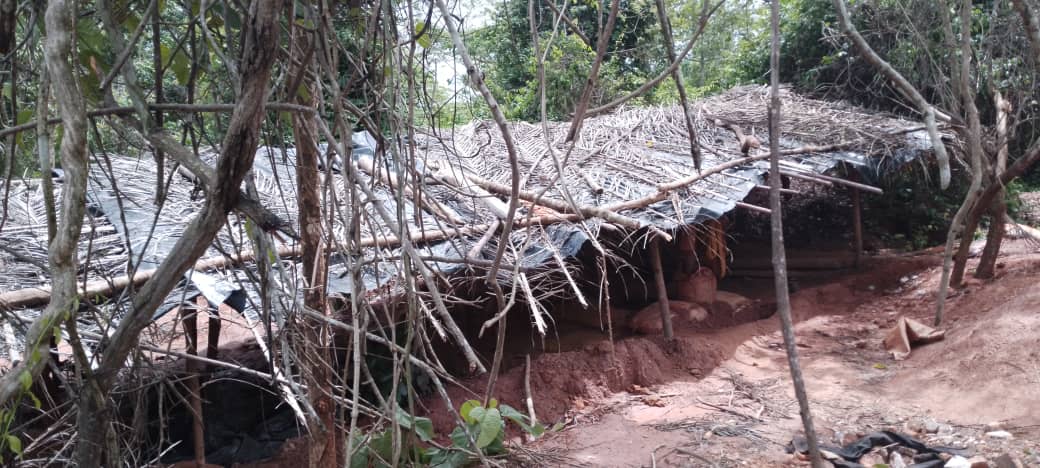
(312,246)
(60,23)
(783,299)
(260,44)
(669,45)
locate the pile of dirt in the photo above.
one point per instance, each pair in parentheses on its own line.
(975,390)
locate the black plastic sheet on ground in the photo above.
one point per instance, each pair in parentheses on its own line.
(849,455)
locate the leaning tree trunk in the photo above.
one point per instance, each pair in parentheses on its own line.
(320,383)
(973,134)
(260,41)
(59,20)
(783,299)
(998,210)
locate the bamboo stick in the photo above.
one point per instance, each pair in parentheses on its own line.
(662,289)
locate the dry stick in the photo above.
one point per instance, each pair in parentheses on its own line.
(424,271)
(528,396)
(703,23)
(783,299)
(60,21)
(127,51)
(806,177)
(564,207)
(836,180)
(449,176)
(904,87)
(669,45)
(184,108)
(570,23)
(367,165)
(662,289)
(590,83)
(477,80)
(37,296)
(857,226)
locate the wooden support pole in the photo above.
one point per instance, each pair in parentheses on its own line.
(857,226)
(189,319)
(213,344)
(662,290)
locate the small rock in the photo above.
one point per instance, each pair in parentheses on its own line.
(931,427)
(957,461)
(999,435)
(978,462)
(995,426)
(850,438)
(904,280)
(914,425)
(1006,461)
(638,390)
(896,461)
(875,458)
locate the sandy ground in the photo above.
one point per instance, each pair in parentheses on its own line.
(984,376)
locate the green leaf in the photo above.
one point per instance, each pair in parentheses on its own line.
(303,93)
(24,116)
(36,401)
(131,22)
(512,414)
(458,437)
(440,458)
(490,423)
(423,426)
(25,379)
(383,446)
(423,35)
(181,67)
(466,408)
(14,443)
(492,403)
(57,334)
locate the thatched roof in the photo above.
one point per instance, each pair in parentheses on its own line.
(625,156)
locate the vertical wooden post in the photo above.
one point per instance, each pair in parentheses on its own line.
(857,225)
(213,343)
(662,289)
(189,318)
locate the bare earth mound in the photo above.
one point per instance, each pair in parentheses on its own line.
(983,377)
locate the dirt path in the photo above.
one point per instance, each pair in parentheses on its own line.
(741,412)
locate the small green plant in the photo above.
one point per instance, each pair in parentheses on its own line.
(486,426)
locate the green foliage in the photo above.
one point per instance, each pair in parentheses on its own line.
(913,213)
(505,51)
(486,426)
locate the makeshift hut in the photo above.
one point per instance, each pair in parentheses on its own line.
(608,205)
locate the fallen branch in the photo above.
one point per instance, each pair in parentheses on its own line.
(184,108)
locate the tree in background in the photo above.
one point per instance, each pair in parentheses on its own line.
(503,47)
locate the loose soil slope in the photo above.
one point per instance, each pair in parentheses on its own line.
(742,412)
